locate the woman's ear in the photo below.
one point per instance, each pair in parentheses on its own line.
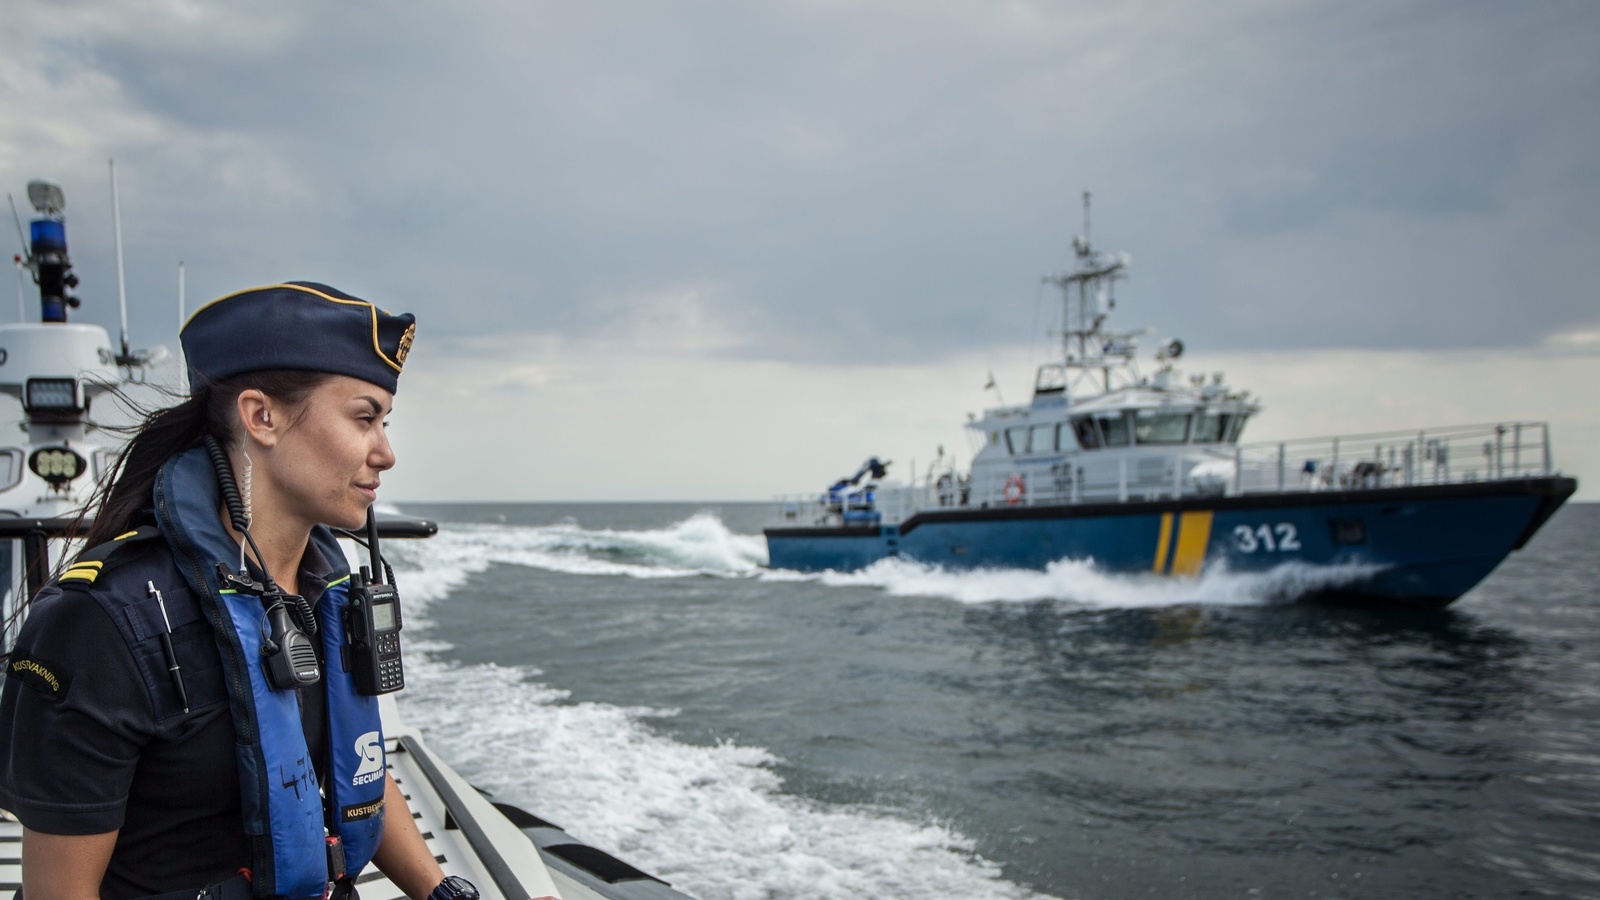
(256,419)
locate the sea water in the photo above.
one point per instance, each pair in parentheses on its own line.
(635,674)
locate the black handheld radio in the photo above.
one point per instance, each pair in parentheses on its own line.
(372,626)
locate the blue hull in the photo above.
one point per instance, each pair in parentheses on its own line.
(1422,546)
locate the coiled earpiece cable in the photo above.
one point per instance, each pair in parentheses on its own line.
(290,655)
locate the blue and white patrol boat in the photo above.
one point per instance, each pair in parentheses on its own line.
(50,464)
(1146,472)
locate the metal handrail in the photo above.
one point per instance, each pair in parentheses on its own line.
(1432,456)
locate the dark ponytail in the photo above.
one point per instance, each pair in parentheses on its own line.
(119,503)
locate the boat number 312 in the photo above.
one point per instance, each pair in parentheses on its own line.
(1279,538)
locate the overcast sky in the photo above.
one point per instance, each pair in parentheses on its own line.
(719,250)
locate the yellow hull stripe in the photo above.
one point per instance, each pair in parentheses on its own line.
(1194,533)
(1162,544)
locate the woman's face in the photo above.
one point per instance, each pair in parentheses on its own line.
(326,464)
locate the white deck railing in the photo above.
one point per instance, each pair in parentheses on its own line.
(1453,455)
(1456,455)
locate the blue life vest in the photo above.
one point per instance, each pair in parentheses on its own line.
(283,810)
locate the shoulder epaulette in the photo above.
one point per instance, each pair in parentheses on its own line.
(95,560)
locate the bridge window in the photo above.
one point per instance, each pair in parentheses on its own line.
(1017,441)
(1043,439)
(1088,436)
(1052,379)
(1114,429)
(1152,427)
(1211,428)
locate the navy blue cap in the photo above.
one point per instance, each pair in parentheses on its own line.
(298,325)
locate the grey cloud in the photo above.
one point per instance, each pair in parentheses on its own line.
(861,181)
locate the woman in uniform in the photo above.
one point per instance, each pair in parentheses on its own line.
(176,718)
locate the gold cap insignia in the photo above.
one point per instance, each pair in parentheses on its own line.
(405,344)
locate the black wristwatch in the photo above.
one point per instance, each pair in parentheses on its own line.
(454,887)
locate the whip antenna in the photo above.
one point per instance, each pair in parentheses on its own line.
(372,545)
(18,219)
(21,261)
(122,290)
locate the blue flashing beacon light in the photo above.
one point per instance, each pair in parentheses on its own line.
(52,268)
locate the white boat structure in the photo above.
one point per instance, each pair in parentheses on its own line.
(1146,473)
(49,467)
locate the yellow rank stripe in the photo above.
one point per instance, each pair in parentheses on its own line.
(1162,543)
(1194,533)
(86,570)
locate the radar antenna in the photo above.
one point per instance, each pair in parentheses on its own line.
(1088,294)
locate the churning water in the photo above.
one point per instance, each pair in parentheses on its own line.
(635,674)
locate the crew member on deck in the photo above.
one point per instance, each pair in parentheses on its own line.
(159,732)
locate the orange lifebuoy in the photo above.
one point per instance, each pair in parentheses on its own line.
(1014,490)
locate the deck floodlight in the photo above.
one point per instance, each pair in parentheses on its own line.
(53,395)
(57,465)
(47,198)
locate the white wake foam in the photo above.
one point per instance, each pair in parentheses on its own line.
(1081,582)
(703,546)
(713,820)
(699,545)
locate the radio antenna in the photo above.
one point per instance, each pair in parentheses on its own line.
(18,219)
(122,290)
(1086,217)
(372,546)
(27,254)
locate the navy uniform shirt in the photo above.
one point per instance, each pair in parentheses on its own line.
(92,741)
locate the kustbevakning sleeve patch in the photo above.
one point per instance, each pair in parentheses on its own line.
(38,674)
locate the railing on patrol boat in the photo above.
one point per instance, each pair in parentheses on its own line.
(1457,455)
(25,572)
(1436,456)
